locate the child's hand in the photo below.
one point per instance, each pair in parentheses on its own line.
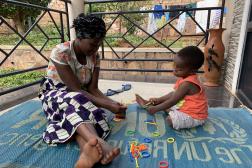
(119,109)
(154,101)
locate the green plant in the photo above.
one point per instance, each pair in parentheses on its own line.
(35,37)
(126,6)
(19,79)
(135,40)
(21,14)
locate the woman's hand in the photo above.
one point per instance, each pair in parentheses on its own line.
(117,108)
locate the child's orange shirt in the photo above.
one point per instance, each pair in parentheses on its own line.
(195,105)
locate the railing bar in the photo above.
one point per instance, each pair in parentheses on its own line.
(44,45)
(42,31)
(168,60)
(193,35)
(127,31)
(136,47)
(112,48)
(32,5)
(23,38)
(175,41)
(102,49)
(22,71)
(19,87)
(62,28)
(67,18)
(169,23)
(155,11)
(112,22)
(142,70)
(113,37)
(150,35)
(5,53)
(108,1)
(128,42)
(54,38)
(208,24)
(174,28)
(54,22)
(1,22)
(201,41)
(196,22)
(90,7)
(66,1)
(222,13)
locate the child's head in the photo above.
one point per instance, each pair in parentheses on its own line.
(187,61)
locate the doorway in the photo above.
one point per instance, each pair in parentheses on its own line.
(244,91)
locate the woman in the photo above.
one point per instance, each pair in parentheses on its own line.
(70,96)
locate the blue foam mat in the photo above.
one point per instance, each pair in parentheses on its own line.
(224,141)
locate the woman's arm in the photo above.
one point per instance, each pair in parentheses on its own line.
(176,96)
(73,84)
(95,91)
(93,86)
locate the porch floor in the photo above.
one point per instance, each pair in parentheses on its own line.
(217,96)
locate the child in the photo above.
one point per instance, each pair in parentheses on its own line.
(187,104)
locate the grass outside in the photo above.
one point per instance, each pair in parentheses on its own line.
(37,38)
(19,79)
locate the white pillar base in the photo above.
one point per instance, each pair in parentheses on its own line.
(74,9)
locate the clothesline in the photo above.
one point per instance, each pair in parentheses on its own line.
(158,19)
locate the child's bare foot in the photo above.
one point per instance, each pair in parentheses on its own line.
(91,154)
(109,152)
(140,100)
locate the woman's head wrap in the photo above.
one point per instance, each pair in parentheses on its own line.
(89,27)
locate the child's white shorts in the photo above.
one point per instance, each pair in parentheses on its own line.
(182,120)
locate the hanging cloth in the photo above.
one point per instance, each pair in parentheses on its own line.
(181,22)
(158,15)
(216,19)
(167,14)
(152,24)
(201,16)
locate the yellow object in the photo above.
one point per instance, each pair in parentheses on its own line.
(180,103)
(137,165)
(153,123)
(170,140)
(156,134)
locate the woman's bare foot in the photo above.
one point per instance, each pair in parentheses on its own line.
(140,100)
(109,152)
(90,154)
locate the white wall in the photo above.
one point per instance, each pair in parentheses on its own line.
(241,45)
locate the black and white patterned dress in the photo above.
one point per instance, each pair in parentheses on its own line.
(66,110)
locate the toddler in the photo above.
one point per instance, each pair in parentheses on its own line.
(187,104)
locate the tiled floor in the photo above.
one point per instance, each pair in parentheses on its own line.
(217,96)
(221,97)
